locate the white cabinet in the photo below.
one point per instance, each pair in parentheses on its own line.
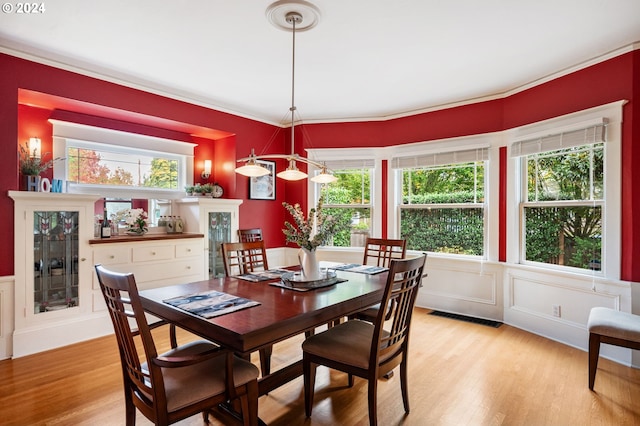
(154,263)
(53,297)
(57,299)
(216,218)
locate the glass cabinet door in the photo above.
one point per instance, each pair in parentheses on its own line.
(219,232)
(55,257)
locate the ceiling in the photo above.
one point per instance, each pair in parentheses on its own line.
(365,59)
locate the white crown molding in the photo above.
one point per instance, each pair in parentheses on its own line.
(65,63)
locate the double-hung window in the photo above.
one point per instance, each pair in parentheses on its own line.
(442,207)
(350,199)
(562,198)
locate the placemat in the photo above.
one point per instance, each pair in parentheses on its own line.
(270,274)
(209,304)
(362,269)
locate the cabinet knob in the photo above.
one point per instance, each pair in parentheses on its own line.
(82,259)
(112,257)
(153,253)
(188,267)
(188,250)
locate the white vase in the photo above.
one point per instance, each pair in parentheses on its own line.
(309,264)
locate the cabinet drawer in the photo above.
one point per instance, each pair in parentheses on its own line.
(150,253)
(189,249)
(111,255)
(165,271)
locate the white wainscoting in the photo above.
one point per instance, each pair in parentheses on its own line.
(7,285)
(521,296)
(531,293)
(467,287)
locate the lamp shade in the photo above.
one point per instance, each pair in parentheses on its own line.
(324,176)
(252,169)
(292,172)
(35,147)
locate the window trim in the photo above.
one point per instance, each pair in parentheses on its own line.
(352,156)
(63,131)
(489,141)
(611,229)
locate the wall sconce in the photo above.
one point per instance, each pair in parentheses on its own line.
(35,147)
(206,172)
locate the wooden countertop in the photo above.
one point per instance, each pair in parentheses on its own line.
(146,237)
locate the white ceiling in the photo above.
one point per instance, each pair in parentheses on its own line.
(366,59)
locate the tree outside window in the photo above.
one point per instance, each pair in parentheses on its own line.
(562,213)
(349,199)
(108,167)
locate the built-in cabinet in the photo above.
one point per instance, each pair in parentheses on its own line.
(154,263)
(53,295)
(57,299)
(218,220)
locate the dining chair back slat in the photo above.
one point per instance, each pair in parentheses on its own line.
(244,258)
(249,235)
(381,251)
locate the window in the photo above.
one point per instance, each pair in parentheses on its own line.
(99,164)
(124,165)
(442,208)
(349,198)
(562,198)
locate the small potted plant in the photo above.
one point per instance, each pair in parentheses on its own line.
(189,189)
(32,165)
(206,190)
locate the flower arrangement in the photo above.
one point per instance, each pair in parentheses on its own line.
(313,231)
(135,219)
(32,165)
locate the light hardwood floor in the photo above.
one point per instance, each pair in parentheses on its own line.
(459,374)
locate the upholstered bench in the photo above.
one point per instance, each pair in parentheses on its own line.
(612,327)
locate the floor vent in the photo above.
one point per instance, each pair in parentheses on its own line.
(482,321)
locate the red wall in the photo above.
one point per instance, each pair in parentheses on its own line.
(227,137)
(45,90)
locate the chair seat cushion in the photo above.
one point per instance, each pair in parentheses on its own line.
(612,323)
(352,337)
(184,385)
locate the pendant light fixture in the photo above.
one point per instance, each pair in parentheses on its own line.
(289,15)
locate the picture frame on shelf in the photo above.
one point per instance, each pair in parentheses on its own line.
(264,187)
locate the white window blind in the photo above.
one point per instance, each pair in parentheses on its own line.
(350,164)
(441,158)
(589,135)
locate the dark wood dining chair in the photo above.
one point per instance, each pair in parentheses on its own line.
(249,235)
(245,258)
(380,252)
(369,350)
(187,380)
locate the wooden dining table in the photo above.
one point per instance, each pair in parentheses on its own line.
(281,313)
